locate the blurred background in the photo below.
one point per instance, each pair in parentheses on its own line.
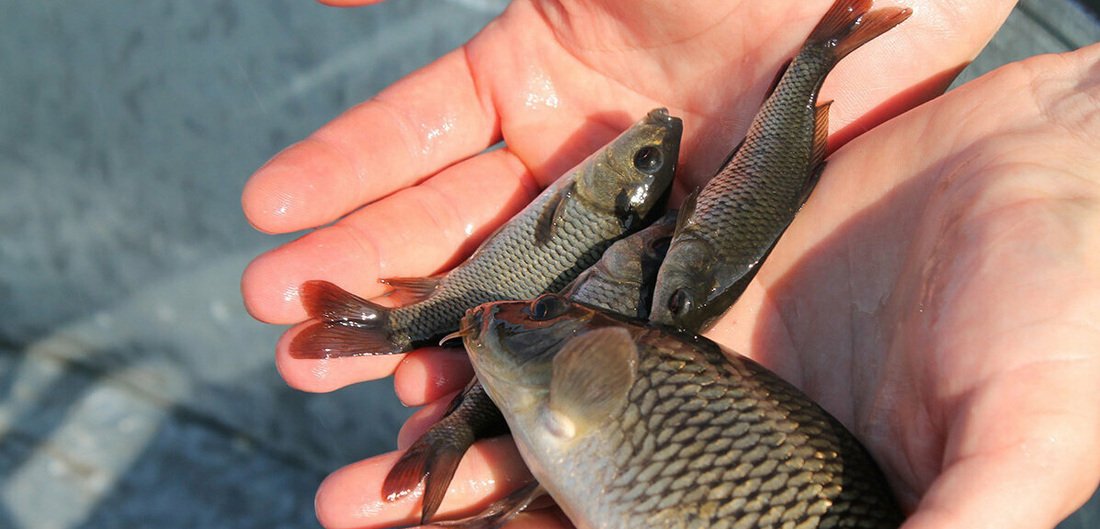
(134,389)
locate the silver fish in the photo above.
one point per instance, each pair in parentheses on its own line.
(730,227)
(628,425)
(561,233)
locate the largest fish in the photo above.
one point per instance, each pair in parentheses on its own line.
(614,192)
(628,426)
(728,230)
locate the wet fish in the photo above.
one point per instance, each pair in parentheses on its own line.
(730,227)
(628,425)
(561,233)
(621,282)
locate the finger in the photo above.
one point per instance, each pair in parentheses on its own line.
(430,374)
(432,118)
(351,496)
(329,374)
(414,232)
(423,419)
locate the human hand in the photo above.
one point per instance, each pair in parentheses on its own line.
(534,91)
(938,293)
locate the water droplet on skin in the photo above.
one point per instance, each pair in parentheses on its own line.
(540,91)
(320,369)
(468,230)
(433,133)
(290,294)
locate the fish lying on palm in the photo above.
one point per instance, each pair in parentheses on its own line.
(730,227)
(561,233)
(628,425)
(621,282)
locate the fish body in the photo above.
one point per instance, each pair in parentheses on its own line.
(628,425)
(561,233)
(620,282)
(732,224)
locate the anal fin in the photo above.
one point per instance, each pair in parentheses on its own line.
(408,290)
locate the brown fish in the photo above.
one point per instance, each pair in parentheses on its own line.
(727,230)
(628,425)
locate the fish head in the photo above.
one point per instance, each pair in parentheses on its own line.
(512,343)
(686,283)
(561,367)
(643,162)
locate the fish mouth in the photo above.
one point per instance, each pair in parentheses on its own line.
(470,326)
(661,116)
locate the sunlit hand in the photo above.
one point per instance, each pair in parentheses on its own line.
(934,293)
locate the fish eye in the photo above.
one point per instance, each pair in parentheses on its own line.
(648,159)
(680,303)
(547,307)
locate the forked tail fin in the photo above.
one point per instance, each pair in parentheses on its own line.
(848,25)
(349,325)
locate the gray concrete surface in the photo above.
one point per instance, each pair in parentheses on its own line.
(134,390)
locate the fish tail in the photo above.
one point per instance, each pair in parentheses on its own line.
(430,461)
(848,25)
(349,325)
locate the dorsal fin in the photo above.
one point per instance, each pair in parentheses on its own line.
(821,133)
(592,375)
(551,215)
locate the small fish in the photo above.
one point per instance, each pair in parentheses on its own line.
(614,192)
(621,282)
(729,228)
(627,425)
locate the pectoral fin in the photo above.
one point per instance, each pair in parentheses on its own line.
(592,376)
(552,215)
(687,209)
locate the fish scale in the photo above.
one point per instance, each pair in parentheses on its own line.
(514,268)
(702,437)
(777,427)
